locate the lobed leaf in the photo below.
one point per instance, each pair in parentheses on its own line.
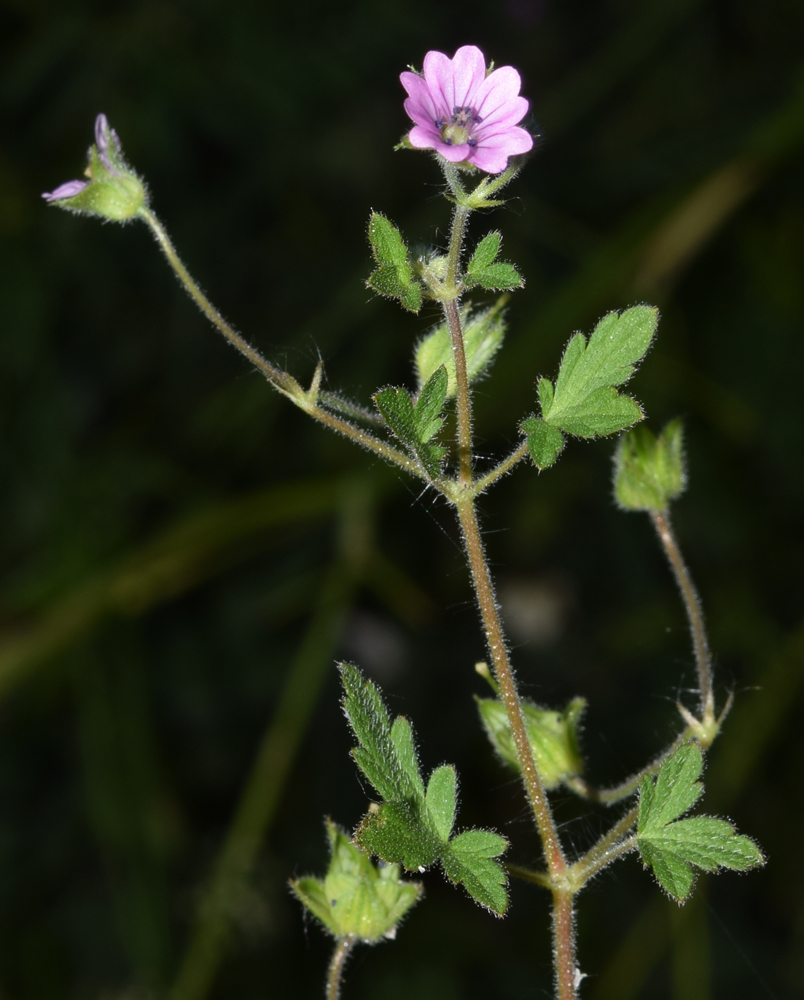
(671,846)
(483,269)
(584,401)
(416,423)
(394,274)
(412,827)
(469,861)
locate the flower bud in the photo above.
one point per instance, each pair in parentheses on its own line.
(649,471)
(113,190)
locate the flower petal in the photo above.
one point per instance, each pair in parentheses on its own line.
(468,73)
(440,80)
(506,115)
(492,154)
(419,105)
(67,190)
(498,91)
(423,137)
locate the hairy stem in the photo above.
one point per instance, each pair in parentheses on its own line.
(516,456)
(692,603)
(610,846)
(342,951)
(564,944)
(611,796)
(279,379)
(509,695)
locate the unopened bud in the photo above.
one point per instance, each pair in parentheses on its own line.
(649,471)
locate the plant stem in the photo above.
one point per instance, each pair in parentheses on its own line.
(463,405)
(564,944)
(692,603)
(509,695)
(611,796)
(516,456)
(563,931)
(280,380)
(610,846)
(342,951)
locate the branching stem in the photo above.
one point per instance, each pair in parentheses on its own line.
(491,477)
(280,380)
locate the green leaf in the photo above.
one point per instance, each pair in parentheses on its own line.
(585,401)
(398,832)
(553,736)
(412,827)
(484,269)
(427,414)
(386,241)
(649,471)
(383,758)
(545,443)
(670,846)
(497,277)
(440,800)
(469,861)
(394,274)
(356,897)
(415,424)
(483,333)
(396,409)
(485,253)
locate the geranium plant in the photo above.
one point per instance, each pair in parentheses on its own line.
(469,116)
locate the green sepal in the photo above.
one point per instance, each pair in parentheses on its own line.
(545,443)
(584,401)
(483,333)
(671,846)
(356,898)
(649,471)
(553,736)
(412,826)
(483,269)
(416,423)
(394,274)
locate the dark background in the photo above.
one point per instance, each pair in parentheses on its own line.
(185,555)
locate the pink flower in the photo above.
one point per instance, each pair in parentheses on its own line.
(465,115)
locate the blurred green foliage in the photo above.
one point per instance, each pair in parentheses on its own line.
(184,556)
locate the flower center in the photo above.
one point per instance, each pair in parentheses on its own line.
(457,129)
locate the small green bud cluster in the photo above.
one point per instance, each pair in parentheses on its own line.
(357,898)
(649,471)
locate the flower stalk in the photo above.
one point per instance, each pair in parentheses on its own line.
(692,604)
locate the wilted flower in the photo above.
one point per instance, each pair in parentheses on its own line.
(113,190)
(464,114)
